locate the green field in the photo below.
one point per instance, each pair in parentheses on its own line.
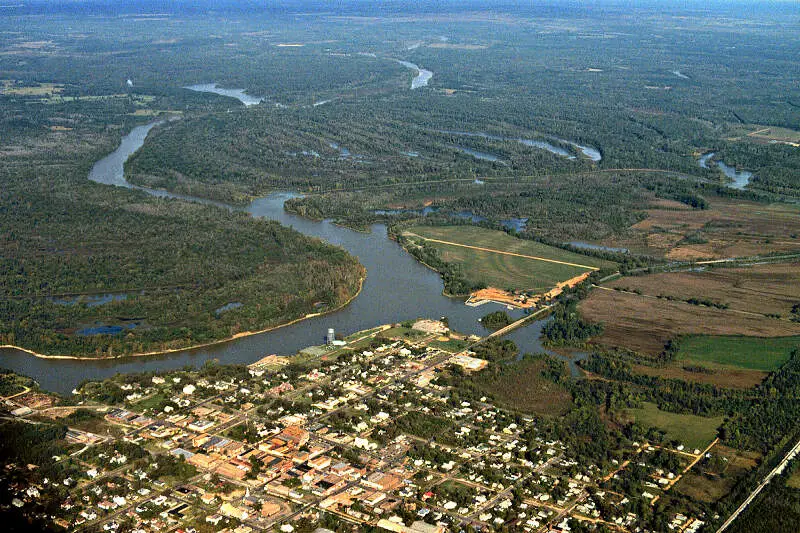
(506,271)
(690,430)
(452,345)
(752,353)
(400,332)
(364,333)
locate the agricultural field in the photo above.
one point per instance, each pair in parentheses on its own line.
(486,257)
(690,430)
(771,289)
(754,353)
(647,311)
(727,228)
(736,378)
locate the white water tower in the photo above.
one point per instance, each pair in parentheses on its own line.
(331,336)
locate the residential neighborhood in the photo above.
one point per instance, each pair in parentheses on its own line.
(366,433)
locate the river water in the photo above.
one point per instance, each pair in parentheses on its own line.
(740,177)
(239,94)
(591,153)
(397,288)
(423,76)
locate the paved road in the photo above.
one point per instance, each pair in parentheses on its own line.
(775,472)
(515,325)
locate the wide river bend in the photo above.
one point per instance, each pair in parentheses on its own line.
(397,288)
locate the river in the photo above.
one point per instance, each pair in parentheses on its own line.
(423,76)
(239,94)
(591,153)
(741,178)
(397,288)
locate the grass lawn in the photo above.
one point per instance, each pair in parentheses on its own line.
(364,333)
(401,332)
(452,345)
(690,430)
(150,402)
(360,345)
(506,271)
(753,353)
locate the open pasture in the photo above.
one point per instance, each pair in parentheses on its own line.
(506,262)
(690,430)
(753,353)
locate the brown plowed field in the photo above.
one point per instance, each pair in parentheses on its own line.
(645,324)
(731,228)
(759,289)
(738,378)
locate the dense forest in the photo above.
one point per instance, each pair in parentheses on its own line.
(567,327)
(777,508)
(635,113)
(91,270)
(496,320)
(339,120)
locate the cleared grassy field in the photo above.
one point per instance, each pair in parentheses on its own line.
(506,271)
(521,387)
(42,89)
(713,479)
(690,430)
(452,345)
(772,133)
(753,353)
(794,481)
(401,332)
